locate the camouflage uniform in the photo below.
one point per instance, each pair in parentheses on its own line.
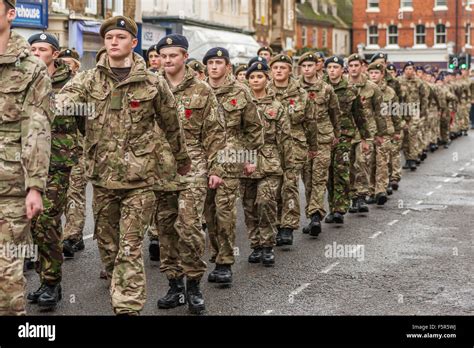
(180,205)
(119,145)
(304,132)
(260,192)
(325,107)
(244,131)
(431,136)
(465,103)
(47,229)
(25,143)
(352,123)
(395,166)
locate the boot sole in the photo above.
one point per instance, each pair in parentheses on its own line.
(364,210)
(255,261)
(339,221)
(220,281)
(382,200)
(50,305)
(315,231)
(173,305)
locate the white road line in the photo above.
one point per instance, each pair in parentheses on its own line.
(406,212)
(429,193)
(268,311)
(88,237)
(419,202)
(391,223)
(375,235)
(468,164)
(454,175)
(446,180)
(438,187)
(299,289)
(461,169)
(330,267)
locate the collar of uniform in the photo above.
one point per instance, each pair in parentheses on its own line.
(317,86)
(343,83)
(226,87)
(62,73)
(17,48)
(187,80)
(138,69)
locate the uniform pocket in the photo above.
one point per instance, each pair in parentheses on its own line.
(139,158)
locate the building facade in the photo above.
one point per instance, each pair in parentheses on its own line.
(424,31)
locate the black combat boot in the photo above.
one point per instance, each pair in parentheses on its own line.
(268,257)
(50,297)
(256,255)
(381,198)
(287,236)
(329,218)
(175,296)
(79,245)
(154,250)
(394,185)
(68,249)
(354,208)
(424,155)
(338,218)
(433,147)
(194,297)
(224,276)
(363,207)
(315,225)
(389,190)
(370,199)
(406,165)
(412,165)
(211,278)
(33,296)
(306,229)
(279,240)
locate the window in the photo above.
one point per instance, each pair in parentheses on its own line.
(372,3)
(314,39)
(373,37)
(420,34)
(439,3)
(440,34)
(91,6)
(392,33)
(289,14)
(304,36)
(468,34)
(58,5)
(325,38)
(261,7)
(406,3)
(118,8)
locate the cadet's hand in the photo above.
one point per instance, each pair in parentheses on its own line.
(34,204)
(312,154)
(183,170)
(379,140)
(396,137)
(215,182)
(249,168)
(365,146)
(335,142)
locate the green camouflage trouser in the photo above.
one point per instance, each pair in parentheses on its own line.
(315,179)
(361,165)
(395,160)
(14,230)
(220,212)
(259,200)
(182,240)
(339,177)
(121,219)
(410,141)
(46,229)
(289,203)
(379,173)
(76,203)
(444,126)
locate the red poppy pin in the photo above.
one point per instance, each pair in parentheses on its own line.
(312,95)
(271,113)
(292,102)
(134,104)
(233,102)
(362,98)
(188,113)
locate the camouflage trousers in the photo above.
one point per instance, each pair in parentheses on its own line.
(361,167)
(289,199)
(14,232)
(379,173)
(220,212)
(434,127)
(315,179)
(421,134)
(410,140)
(444,126)
(76,203)
(121,219)
(46,229)
(395,159)
(259,200)
(339,177)
(182,240)
(464,116)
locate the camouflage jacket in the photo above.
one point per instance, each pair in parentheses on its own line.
(442,95)
(414,92)
(466,90)
(433,102)
(243,125)
(371,100)
(65,147)
(120,135)
(304,129)
(204,133)
(390,99)
(276,154)
(351,120)
(325,107)
(25,120)
(393,83)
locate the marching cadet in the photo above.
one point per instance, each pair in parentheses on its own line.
(414,95)
(304,133)
(433,104)
(444,97)
(71,58)
(352,123)
(25,142)
(179,212)
(198,68)
(423,124)
(392,70)
(465,84)
(153,59)
(363,153)
(65,149)
(265,52)
(260,191)
(383,147)
(240,73)
(325,108)
(244,131)
(119,145)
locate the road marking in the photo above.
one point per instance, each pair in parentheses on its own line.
(461,169)
(446,180)
(438,187)
(454,175)
(300,288)
(268,311)
(375,235)
(330,267)
(405,212)
(429,193)
(88,237)
(391,223)
(419,202)
(468,164)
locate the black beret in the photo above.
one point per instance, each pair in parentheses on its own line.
(119,22)
(334,59)
(419,68)
(391,67)
(256,59)
(378,55)
(407,64)
(265,48)
(263,67)
(282,58)
(44,37)
(151,49)
(173,40)
(69,53)
(216,52)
